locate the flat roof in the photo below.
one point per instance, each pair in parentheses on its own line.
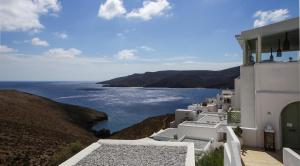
(184,110)
(282,26)
(165,135)
(200,124)
(135,153)
(200,116)
(198,143)
(213,119)
(208,120)
(276,31)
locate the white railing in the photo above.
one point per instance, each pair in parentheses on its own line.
(290,158)
(232,149)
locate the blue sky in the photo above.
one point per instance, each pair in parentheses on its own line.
(101,39)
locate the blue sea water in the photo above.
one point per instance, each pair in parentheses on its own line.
(124,106)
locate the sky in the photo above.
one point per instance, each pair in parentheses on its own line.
(96,40)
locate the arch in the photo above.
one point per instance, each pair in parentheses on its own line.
(290,125)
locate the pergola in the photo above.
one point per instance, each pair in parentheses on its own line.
(278,37)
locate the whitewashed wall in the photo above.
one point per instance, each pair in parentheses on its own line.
(182,114)
(247,96)
(266,89)
(249,136)
(277,85)
(237,93)
(197,132)
(278,77)
(232,149)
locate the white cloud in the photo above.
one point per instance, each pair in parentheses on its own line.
(63,53)
(231,54)
(91,68)
(41,67)
(147,48)
(38,42)
(24,16)
(111,9)
(61,35)
(150,9)
(127,54)
(121,35)
(6,49)
(270,16)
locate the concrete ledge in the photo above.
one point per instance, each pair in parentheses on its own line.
(249,136)
(290,158)
(232,149)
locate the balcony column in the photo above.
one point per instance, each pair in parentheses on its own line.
(245,53)
(258,49)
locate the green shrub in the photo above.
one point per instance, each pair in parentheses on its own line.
(238,131)
(103,133)
(66,152)
(213,158)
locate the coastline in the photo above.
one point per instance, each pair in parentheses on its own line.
(144,128)
(34,128)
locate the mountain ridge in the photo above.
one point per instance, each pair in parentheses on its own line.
(178,79)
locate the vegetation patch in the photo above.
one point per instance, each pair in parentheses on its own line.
(67,152)
(213,158)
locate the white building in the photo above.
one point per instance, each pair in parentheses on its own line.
(183,115)
(269,86)
(225,99)
(209,126)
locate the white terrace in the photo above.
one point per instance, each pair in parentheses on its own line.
(134,153)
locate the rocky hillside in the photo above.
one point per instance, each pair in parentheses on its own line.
(34,129)
(178,79)
(145,128)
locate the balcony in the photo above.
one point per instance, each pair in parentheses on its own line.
(271,43)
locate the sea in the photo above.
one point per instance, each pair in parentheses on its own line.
(124,106)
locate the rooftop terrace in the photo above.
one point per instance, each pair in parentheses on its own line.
(200,144)
(134,153)
(165,135)
(208,120)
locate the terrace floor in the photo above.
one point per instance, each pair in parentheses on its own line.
(259,157)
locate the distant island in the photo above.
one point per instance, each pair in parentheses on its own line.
(39,131)
(178,79)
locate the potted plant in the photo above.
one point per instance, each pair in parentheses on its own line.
(175,137)
(238,132)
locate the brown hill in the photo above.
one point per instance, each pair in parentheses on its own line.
(145,128)
(34,129)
